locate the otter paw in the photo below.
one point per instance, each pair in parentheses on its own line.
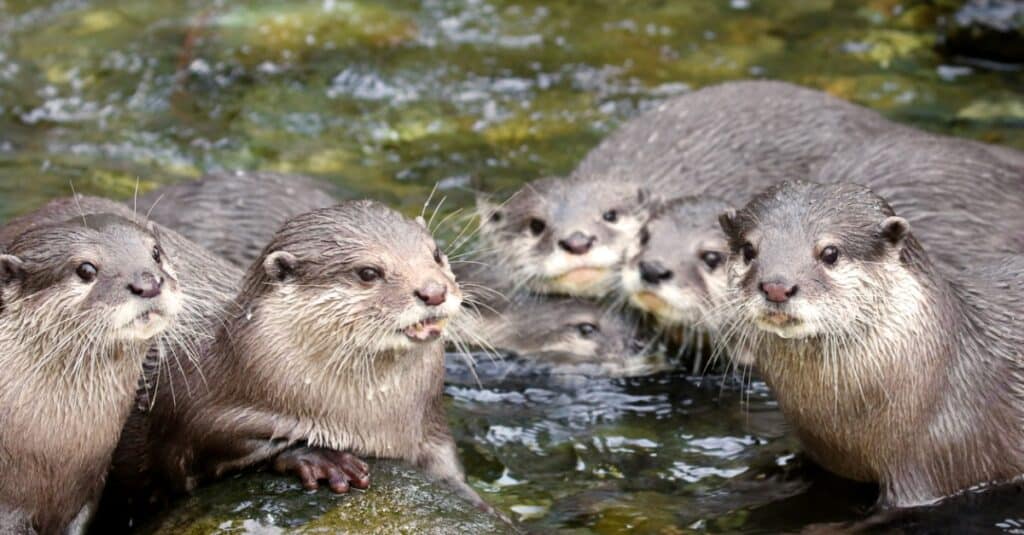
(341,470)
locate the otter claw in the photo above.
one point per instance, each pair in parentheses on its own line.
(341,470)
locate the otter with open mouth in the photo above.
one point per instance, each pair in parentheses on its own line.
(891,368)
(562,237)
(335,341)
(81,301)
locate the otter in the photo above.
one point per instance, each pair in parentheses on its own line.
(728,142)
(890,368)
(234,214)
(208,286)
(676,273)
(81,301)
(562,236)
(335,341)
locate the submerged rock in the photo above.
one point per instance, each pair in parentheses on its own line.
(400,500)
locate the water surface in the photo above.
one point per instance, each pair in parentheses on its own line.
(390,98)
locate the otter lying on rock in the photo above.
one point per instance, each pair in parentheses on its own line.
(889,367)
(80,303)
(335,341)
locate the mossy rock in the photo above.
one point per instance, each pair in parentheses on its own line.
(400,500)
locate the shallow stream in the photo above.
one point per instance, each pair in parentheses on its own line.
(389,98)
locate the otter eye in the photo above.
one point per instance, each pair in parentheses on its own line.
(829,255)
(749,253)
(369,274)
(586,329)
(156,255)
(496,217)
(610,216)
(86,272)
(437,256)
(712,259)
(645,236)
(537,226)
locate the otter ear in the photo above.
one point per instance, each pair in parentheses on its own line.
(487,210)
(894,229)
(11,268)
(727,220)
(280,264)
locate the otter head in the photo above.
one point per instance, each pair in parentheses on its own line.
(678,275)
(565,236)
(359,277)
(569,330)
(100,276)
(812,260)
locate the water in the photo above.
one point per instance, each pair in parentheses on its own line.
(389,98)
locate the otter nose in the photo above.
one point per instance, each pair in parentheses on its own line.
(432,294)
(778,292)
(577,243)
(146,285)
(654,272)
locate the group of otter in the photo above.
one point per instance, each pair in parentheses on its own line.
(870,273)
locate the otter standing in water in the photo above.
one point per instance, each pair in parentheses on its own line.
(80,302)
(890,368)
(337,332)
(233,215)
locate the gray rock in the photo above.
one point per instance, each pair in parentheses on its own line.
(400,500)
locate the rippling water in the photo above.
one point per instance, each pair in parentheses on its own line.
(389,98)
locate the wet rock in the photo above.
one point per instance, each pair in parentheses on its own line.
(986,29)
(401,500)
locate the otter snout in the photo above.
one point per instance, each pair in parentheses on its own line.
(654,272)
(432,294)
(577,243)
(146,285)
(778,291)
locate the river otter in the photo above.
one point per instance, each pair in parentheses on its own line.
(234,214)
(727,141)
(889,367)
(563,236)
(335,341)
(208,286)
(81,301)
(676,273)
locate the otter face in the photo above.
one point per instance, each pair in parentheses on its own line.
(565,236)
(678,275)
(360,276)
(101,270)
(570,331)
(813,260)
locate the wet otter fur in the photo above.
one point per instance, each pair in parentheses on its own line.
(728,142)
(234,214)
(337,331)
(562,236)
(82,301)
(891,368)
